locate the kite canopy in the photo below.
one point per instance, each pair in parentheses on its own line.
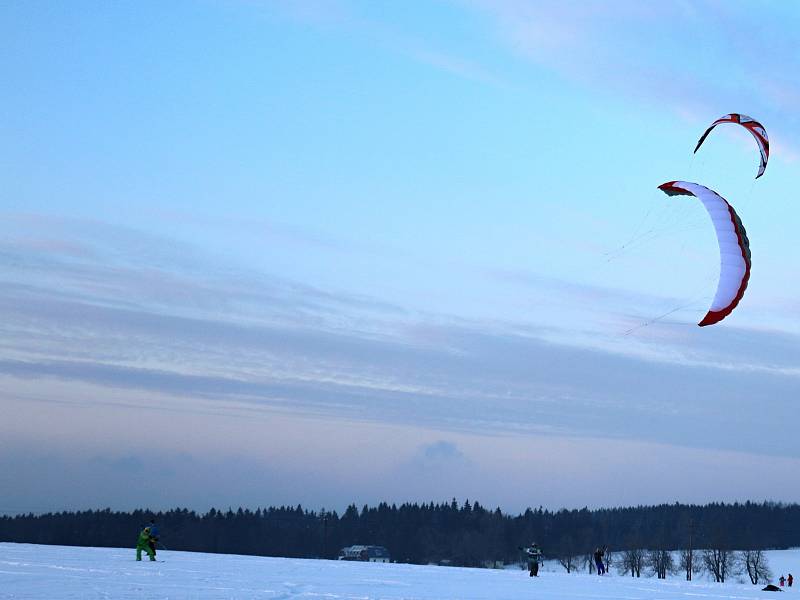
(753,126)
(734,247)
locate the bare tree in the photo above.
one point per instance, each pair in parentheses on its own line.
(588,560)
(690,562)
(568,560)
(754,563)
(567,555)
(661,562)
(633,561)
(719,562)
(609,558)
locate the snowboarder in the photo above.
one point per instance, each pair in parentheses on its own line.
(143,543)
(598,560)
(782,580)
(534,556)
(790,580)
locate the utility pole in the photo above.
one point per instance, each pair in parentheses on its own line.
(324,534)
(690,561)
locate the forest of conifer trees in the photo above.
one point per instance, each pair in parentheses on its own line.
(465,534)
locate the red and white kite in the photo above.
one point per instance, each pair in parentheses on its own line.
(734,247)
(754,127)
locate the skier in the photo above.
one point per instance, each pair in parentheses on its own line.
(598,560)
(534,556)
(782,580)
(143,543)
(790,580)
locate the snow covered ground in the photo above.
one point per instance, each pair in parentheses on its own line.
(56,572)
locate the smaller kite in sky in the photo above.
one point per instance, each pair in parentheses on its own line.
(734,247)
(753,126)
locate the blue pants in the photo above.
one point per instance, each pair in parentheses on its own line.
(600,567)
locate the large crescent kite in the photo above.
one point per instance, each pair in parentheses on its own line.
(753,126)
(734,247)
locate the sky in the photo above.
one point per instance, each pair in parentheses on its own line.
(256,252)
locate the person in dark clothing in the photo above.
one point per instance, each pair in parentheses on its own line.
(534,556)
(153,535)
(598,560)
(782,580)
(790,580)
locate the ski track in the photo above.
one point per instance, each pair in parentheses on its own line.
(32,572)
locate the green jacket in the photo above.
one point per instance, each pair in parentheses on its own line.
(144,537)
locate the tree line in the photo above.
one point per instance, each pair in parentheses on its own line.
(465,534)
(720,563)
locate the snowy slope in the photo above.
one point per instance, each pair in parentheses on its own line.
(54,572)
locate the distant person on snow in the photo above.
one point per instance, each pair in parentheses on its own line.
(534,556)
(153,535)
(790,580)
(782,580)
(143,543)
(598,560)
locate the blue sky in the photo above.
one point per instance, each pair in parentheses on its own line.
(325,252)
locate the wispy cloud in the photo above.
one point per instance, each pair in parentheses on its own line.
(383,33)
(705,51)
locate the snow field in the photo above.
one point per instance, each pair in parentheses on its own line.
(58,572)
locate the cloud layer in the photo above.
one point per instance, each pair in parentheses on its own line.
(234,339)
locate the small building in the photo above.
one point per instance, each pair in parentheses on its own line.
(365,553)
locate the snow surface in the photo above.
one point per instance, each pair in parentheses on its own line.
(60,572)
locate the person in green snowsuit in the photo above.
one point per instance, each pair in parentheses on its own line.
(144,544)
